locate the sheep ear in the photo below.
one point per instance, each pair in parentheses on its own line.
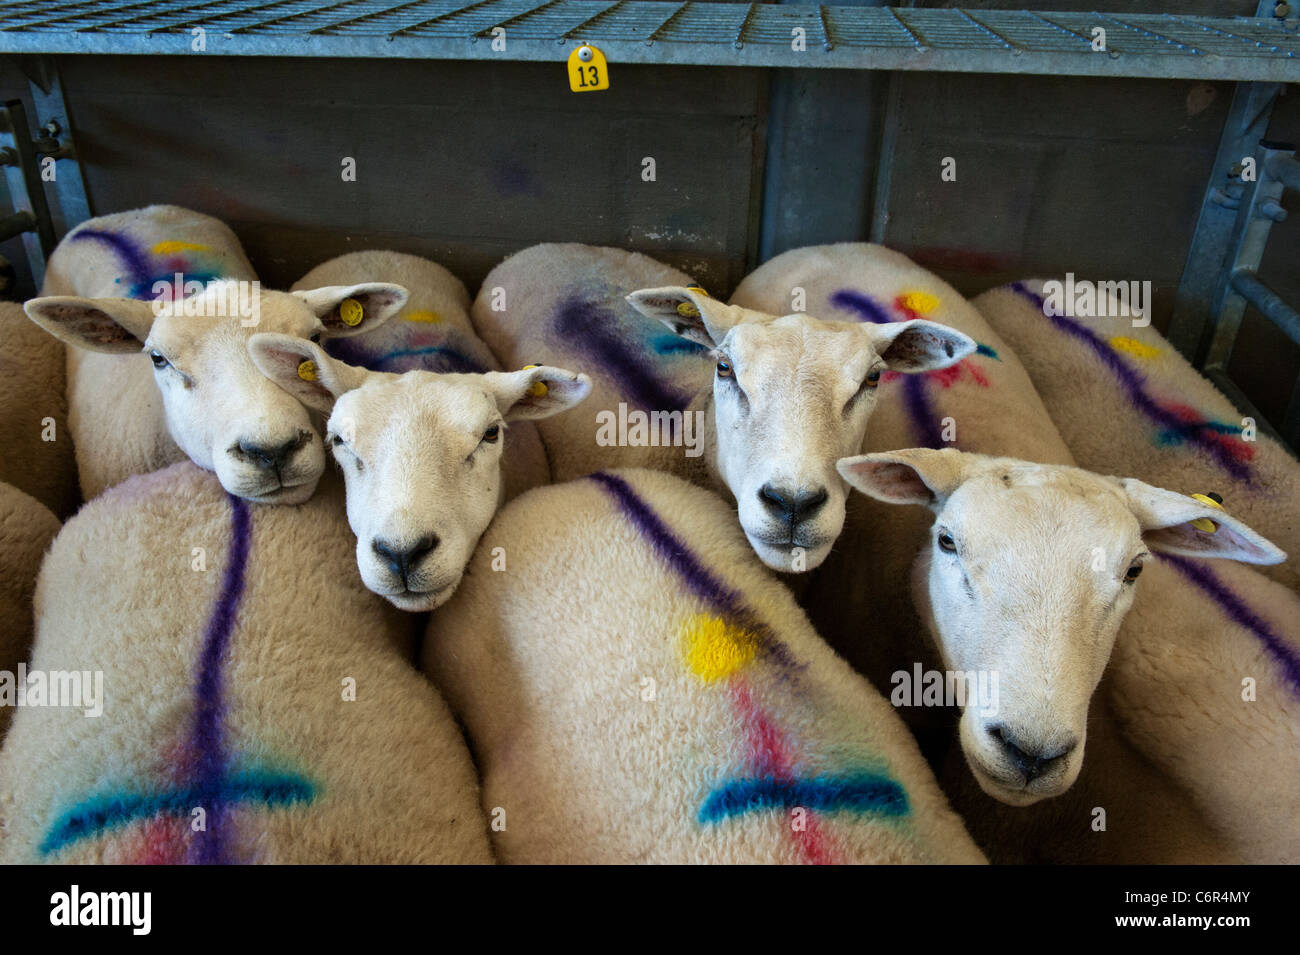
(377,303)
(689,312)
(1169,523)
(303,369)
(912,476)
(538,391)
(113,325)
(919,345)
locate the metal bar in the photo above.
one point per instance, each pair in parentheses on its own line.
(487,31)
(1051,23)
(916,39)
(739,40)
(826,33)
(590,20)
(1285,169)
(654,35)
(1146,32)
(23,180)
(885,161)
(1192,324)
(990,31)
(16,223)
(1271,305)
(51,112)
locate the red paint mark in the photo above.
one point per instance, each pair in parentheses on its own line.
(902,306)
(1234,445)
(771,755)
(947,377)
(160,842)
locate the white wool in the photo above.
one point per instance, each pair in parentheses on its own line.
(26,529)
(596,685)
(760,403)
(313,686)
(217,408)
(1108,432)
(128,434)
(432,332)
(38,456)
(858,599)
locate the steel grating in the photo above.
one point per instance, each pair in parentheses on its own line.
(654,31)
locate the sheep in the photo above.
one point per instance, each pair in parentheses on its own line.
(987,404)
(38,456)
(175,378)
(257,704)
(760,404)
(1127,402)
(432,332)
(637,688)
(984,402)
(421,455)
(1030,573)
(26,528)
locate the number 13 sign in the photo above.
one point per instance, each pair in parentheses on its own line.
(588,70)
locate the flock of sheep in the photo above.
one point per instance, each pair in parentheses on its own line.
(635,653)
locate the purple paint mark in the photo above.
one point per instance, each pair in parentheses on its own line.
(126,250)
(1134,385)
(1235,609)
(915,400)
(698,579)
(922,413)
(207,740)
(863,305)
(591,329)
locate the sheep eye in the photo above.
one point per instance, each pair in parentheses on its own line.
(336,441)
(725,370)
(315,338)
(872,379)
(947,543)
(1133,573)
(492,433)
(157,358)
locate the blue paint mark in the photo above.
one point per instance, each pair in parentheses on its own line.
(862,793)
(675,344)
(436,358)
(101,814)
(985,350)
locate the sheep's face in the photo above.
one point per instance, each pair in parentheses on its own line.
(791,396)
(220,410)
(1025,579)
(420,454)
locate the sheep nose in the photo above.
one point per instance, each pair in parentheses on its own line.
(401,559)
(270,457)
(1032,761)
(792,506)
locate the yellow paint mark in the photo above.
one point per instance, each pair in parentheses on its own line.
(923,303)
(1134,347)
(172,246)
(714,648)
(427,318)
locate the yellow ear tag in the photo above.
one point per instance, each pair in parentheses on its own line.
(1204,523)
(696,288)
(537,389)
(307,370)
(351,311)
(688,310)
(588,70)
